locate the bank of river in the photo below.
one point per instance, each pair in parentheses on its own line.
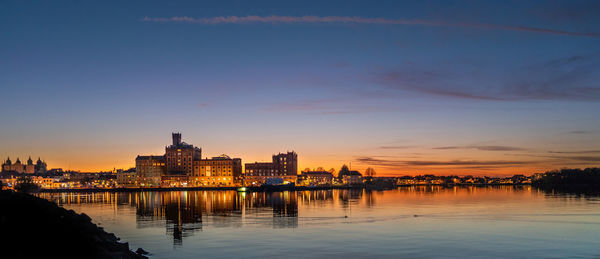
(33,227)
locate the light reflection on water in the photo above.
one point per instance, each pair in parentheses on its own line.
(424,221)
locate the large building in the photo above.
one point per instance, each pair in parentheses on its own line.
(351,177)
(180,156)
(284,166)
(149,170)
(127,178)
(315,178)
(221,170)
(183,166)
(29,167)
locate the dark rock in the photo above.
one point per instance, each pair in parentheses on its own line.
(51,231)
(141,251)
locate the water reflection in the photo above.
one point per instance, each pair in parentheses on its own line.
(185,213)
(182,213)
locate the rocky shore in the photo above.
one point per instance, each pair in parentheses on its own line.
(32,227)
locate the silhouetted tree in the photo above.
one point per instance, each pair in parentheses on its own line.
(568,178)
(343,171)
(370,172)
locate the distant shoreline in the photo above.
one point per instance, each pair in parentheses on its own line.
(266,188)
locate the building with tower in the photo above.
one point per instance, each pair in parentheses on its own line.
(180,156)
(29,167)
(182,166)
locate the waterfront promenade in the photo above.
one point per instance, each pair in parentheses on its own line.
(263,188)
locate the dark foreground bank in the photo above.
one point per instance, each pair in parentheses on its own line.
(32,227)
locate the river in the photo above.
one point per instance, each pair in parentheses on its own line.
(408,222)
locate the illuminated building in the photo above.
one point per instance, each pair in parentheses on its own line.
(315,178)
(174,180)
(180,156)
(29,167)
(221,170)
(284,166)
(351,177)
(183,166)
(127,179)
(149,170)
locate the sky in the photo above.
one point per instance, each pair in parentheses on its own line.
(422,87)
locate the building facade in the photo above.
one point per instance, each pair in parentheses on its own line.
(283,166)
(149,170)
(180,156)
(315,178)
(351,178)
(218,171)
(28,168)
(182,166)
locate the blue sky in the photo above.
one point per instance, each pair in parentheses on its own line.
(465,87)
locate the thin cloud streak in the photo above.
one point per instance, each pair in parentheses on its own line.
(358,20)
(568,78)
(575,152)
(483,148)
(578,132)
(396,147)
(391,162)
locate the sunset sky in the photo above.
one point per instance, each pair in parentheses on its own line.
(442,87)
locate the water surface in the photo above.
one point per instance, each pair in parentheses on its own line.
(423,222)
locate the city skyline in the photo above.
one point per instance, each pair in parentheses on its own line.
(406,88)
(301,168)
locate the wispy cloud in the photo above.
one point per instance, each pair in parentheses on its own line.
(428,163)
(575,152)
(325,106)
(484,148)
(587,159)
(568,78)
(358,20)
(396,147)
(564,157)
(578,132)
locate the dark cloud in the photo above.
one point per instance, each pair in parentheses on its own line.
(499,148)
(575,152)
(569,156)
(578,132)
(568,78)
(449,147)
